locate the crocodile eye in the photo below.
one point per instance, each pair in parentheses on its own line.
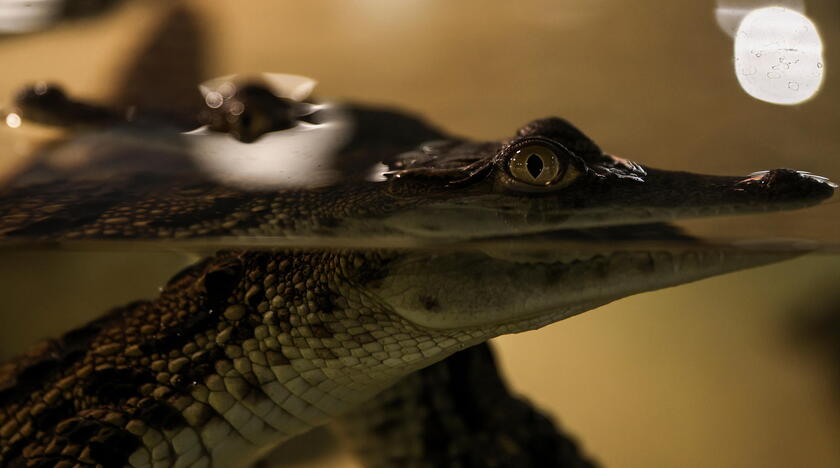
(538,164)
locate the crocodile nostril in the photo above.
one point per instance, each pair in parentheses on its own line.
(788,183)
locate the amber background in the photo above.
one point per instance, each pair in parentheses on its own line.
(715,373)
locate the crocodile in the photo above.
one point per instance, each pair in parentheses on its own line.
(250,347)
(268,339)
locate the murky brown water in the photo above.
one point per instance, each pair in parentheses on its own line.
(708,374)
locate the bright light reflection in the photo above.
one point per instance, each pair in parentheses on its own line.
(298,157)
(20,16)
(13,120)
(778,56)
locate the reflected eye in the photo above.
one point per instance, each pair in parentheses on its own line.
(250,125)
(535,164)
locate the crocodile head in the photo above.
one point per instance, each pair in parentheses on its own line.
(551,176)
(563,210)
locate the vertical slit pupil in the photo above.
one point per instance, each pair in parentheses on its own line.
(535,165)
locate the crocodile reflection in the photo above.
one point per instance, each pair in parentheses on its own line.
(247,113)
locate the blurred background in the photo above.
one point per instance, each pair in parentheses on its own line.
(736,371)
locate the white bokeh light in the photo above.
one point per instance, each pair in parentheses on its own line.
(778,56)
(13,120)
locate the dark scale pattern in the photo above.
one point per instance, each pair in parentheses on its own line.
(105,370)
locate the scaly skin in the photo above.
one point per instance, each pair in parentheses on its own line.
(241,351)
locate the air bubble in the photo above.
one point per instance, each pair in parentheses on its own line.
(214,99)
(785,48)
